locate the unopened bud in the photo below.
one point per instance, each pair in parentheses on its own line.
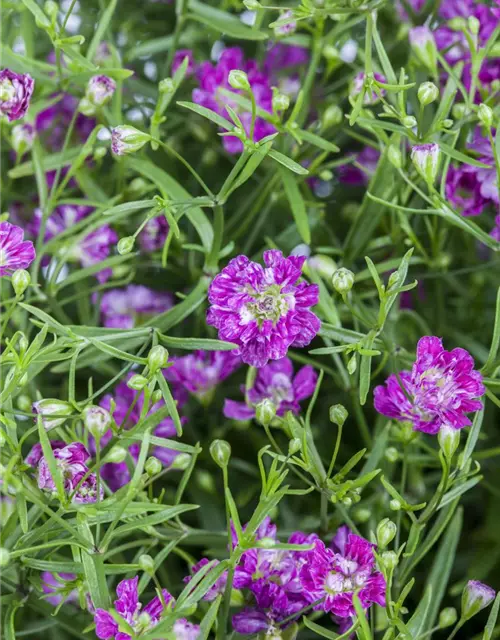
(281,102)
(395,505)
(99,153)
(52,407)
(409,122)
(474,25)
(394,155)
(343,280)
(294,445)
(352,364)
(423,46)
(347,501)
(153,466)
(447,617)
(126,139)
(389,560)
(459,110)
(331,53)
(97,420)
(21,280)
(117,454)
(425,157)
(324,265)
(146,563)
(386,530)
(265,412)
(4,557)
(137,382)
(220,450)
(449,439)
(252,5)
(166,86)
(100,90)
(475,597)
(125,245)
(338,414)
(51,9)
(288,26)
(332,116)
(181,461)
(362,515)
(157,358)
(238,80)
(391,454)
(485,115)
(22,138)
(427,93)
(157,396)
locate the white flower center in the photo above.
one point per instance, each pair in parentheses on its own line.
(7,90)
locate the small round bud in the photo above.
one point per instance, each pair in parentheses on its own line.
(423,46)
(331,53)
(4,557)
(220,450)
(386,530)
(99,153)
(394,155)
(447,123)
(51,9)
(485,115)
(153,466)
(126,139)
(474,25)
(166,86)
(146,563)
(125,245)
(238,80)
(24,403)
(265,412)
(205,481)
(181,461)
(332,116)
(391,454)
(409,122)
(347,501)
(252,5)
(157,396)
(326,175)
(476,596)
(138,185)
(117,454)
(459,110)
(100,90)
(137,382)
(352,365)
(50,407)
(425,158)
(288,24)
(447,617)
(97,420)
(294,446)
(22,138)
(427,93)
(362,515)
(281,102)
(390,560)
(157,358)
(21,280)
(338,414)
(457,24)
(343,280)
(449,439)
(395,505)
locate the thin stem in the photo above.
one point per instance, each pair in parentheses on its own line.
(195,175)
(213,256)
(335,452)
(68,14)
(457,628)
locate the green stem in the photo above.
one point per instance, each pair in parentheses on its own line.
(457,628)
(213,256)
(335,452)
(221,196)
(182,6)
(195,175)
(436,499)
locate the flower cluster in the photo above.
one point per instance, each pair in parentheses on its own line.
(438,392)
(15,252)
(276,382)
(16,90)
(263,310)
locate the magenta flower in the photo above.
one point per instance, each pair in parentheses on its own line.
(15,252)
(370,96)
(352,175)
(16,90)
(153,236)
(128,607)
(78,482)
(100,90)
(438,392)
(184,630)
(213,78)
(334,575)
(36,452)
(470,189)
(60,586)
(200,372)
(126,308)
(55,119)
(263,310)
(476,596)
(179,57)
(276,382)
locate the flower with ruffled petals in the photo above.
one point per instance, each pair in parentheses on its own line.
(15,252)
(276,382)
(334,575)
(128,607)
(125,308)
(200,372)
(439,391)
(16,90)
(36,452)
(263,310)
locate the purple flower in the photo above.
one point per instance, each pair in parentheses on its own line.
(91,250)
(77,480)
(217,588)
(470,188)
(276,382)
(100,90)
(15,252)
(16,90)
(200,372)
(179,57)
(125,308)
(184,630)
(57,585)
(55,120)
(495,232)
(368,159)
(36,452)
(476,596)
(370,96)
(333,575)
(425,157)
(126,139)
(128,607)
(263,310)
(154,234)
(439,390)
(213,78)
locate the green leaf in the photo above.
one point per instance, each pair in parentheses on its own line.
(324,633)
(495,340)
(317,141)
(37,12)
(194,344)
(222,21)
(169,401)
(154,519)
(208,619)
(209,114)
(365,369)
(297,205)
(364,632)
(461,157)
(416,623)
(51,162)
(492,619)
(288,163)
(473,436)
(102,24)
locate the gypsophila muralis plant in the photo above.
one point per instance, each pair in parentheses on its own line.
(250,319)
